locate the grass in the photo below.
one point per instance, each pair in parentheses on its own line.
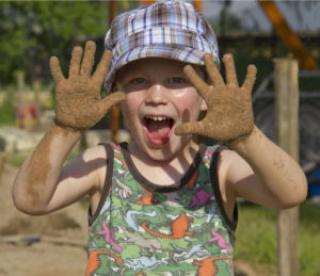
(7,114)
(256,238)
(310,239)
(17,159)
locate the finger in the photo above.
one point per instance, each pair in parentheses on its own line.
(88,58)
(102,68)
(198,83)
(75,61)
(213,71)
(113,99)
(188,128)
(250,78)
(55,69)
(231,74)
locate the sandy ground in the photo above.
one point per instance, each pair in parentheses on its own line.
(45,245)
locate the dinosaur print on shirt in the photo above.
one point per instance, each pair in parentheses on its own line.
(179,228)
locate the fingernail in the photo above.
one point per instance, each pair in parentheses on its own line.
(77,49)
(90,43)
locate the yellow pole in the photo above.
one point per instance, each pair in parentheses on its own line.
(146,2)
(291,40)
(115,113)
(198,5)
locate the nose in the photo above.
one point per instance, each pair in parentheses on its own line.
(157,94)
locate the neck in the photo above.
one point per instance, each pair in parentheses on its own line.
(186,153)
(165,172)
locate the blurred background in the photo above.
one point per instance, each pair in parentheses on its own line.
(255,32)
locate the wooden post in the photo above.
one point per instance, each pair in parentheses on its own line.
(36,103)
(287,110)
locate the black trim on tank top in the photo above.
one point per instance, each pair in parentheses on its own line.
(217,192)
(107,183)
(154,187)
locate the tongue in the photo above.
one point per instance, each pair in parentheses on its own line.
(159,132)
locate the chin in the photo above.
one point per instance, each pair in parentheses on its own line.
(166,152)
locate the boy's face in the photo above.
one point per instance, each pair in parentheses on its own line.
(159,97)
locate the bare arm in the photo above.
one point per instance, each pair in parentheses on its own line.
(260,171)
(42,184)
(37,178)
(257,169)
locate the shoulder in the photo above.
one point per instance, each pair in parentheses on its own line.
(232,169)
(220,159)
(95,152)
(101,152)
(227,157)
(233,166)
(96,159)
(223,159)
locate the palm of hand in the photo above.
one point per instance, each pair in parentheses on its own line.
(229,106)
(78,100)
(76,107)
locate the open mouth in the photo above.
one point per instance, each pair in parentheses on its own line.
(158,128)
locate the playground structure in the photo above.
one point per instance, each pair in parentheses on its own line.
(290,39)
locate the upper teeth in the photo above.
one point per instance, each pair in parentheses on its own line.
(156,118)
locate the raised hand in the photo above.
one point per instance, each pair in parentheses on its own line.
(78,98)
(229,116)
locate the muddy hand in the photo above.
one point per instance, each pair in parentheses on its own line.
(78,101)
(229,116)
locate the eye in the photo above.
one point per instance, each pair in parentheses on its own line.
(135,84)
(177,81)
(137,81)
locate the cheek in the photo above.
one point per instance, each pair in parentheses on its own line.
(189,104)
(129,109)
(130,105)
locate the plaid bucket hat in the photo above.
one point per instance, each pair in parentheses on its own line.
(167,29)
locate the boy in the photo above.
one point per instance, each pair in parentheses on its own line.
(162,204)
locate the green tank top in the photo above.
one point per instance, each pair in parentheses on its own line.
(141,229)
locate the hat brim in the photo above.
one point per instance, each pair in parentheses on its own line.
(182,54)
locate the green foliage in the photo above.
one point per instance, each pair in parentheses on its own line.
(256,238)
(16,159)
(31,31)
(309,237)
(7,112)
